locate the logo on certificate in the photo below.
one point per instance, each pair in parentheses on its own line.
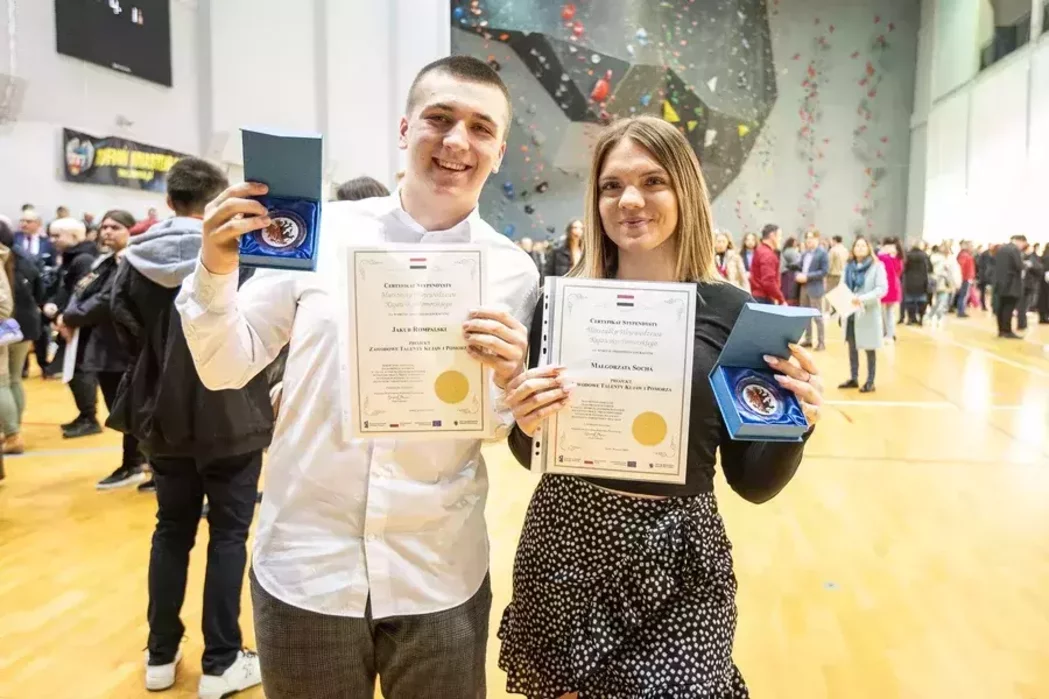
(649,429)
(451,387)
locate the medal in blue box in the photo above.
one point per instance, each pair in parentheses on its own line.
(753,405)
(291,165)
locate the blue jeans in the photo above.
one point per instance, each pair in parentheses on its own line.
(963,298)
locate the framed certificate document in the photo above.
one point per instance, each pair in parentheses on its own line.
(410,376)
(627,347)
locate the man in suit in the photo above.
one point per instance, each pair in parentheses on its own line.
(32,238)
(815,263)
(1033,272)
(1043,291)
(1008,283)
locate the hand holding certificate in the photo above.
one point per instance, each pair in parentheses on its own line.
(498,340)
(411,372)
(626,349)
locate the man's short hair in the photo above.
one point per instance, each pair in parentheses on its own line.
(192,183)
(768,230)
(361,188)
(465,68)
(1019,236)
(837,239)
(814,233)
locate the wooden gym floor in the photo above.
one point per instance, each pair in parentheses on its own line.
(909,557)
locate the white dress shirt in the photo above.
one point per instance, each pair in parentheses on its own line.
(31,243)
(343,519)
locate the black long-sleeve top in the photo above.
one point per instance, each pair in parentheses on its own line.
(755,470)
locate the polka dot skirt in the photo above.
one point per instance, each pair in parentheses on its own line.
(619,597)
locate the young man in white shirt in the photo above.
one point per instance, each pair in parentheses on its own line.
(371,556)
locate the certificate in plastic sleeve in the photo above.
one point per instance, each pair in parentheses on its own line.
(409,374)
(627,347)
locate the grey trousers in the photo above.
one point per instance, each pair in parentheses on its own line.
(305,655)
(805,300)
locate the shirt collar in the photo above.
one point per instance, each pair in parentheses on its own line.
(413,231)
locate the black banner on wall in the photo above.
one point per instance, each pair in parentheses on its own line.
(115,161)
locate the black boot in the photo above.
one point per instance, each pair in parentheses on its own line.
(82,428)
(851,383)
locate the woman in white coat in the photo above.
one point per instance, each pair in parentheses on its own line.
(865,277)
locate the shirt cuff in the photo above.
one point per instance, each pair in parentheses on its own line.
(504,416)
(214,292)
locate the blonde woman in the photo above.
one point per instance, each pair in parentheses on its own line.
(729,262)
(626,589)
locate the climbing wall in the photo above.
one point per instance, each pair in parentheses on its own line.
(799,112)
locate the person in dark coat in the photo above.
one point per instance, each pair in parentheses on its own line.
(1008,283)
(985,273)
(103,355)
(69,236)
(566,252)
(199,442)
(28,295)
(1043,290)
(1032,280)
(917,268)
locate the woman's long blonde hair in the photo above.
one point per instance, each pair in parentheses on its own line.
(695,229)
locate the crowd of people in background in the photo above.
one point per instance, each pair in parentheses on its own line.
(58,283)
(917,286)
(58,274)
(57,277)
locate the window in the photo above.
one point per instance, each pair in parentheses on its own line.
(1005,25)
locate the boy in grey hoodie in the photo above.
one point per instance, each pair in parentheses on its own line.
(199,442)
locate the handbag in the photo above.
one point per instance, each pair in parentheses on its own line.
(10,332)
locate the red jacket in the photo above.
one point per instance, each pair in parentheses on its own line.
(764,274)
(968,265)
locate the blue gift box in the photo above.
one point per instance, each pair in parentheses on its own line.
(291,165)
(752,403)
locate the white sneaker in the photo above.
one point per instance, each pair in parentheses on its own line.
(160,677)
(243,673)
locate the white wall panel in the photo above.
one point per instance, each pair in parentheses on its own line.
(997,155)
(263,66)
(1038,143)
(945,200)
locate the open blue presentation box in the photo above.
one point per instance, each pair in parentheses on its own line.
(752,403)
(292,166)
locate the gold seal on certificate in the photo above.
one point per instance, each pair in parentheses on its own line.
(409,372)
(627,346)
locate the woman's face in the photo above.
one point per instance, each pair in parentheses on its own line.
(637,203)
(720,243)
(113,234)
(750,241)
(860,249)
(575,231)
